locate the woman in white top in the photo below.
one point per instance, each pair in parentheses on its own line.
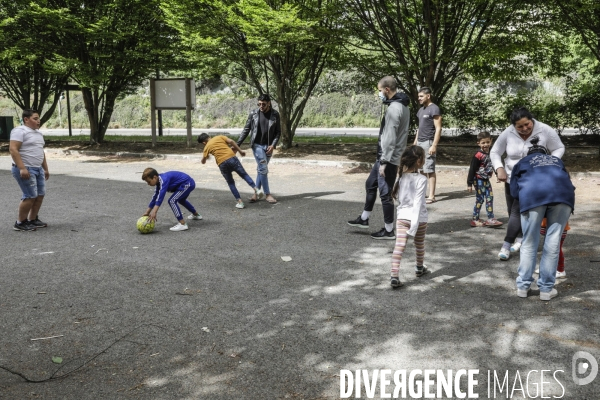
(515,141)
(410,190)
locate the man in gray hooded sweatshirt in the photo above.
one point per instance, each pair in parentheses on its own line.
(392,142)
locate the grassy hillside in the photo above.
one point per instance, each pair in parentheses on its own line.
(216,111)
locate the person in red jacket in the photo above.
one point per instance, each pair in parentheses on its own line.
(479,177)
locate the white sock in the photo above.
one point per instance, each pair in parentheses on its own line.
(389,227)
(365,215)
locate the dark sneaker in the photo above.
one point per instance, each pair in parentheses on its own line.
(395,282)
(24,226)
(421,271)
(359,223)
(36,223)
(383,234)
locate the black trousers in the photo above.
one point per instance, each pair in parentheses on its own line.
(384,185)
(513,228)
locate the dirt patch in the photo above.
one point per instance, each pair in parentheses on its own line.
(582,150)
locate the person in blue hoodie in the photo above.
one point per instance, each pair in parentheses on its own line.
(543,188)
(178,183)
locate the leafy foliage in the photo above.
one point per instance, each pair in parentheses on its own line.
(433,42)
(279,47)
(30,73)
(112,46)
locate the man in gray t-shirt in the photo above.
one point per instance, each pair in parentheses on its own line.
(29,169)
(428,137)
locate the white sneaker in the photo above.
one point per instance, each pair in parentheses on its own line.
(504,254)
(240,205)
(180,227)
(546,296)
(523,293)
(515,247)
(561,274)
(196,217)
(260,194)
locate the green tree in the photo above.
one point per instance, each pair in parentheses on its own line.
(580,16)
(434,42)
(112,47)
(279,47)
(30,73)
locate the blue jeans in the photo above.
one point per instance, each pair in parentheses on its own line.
(531,221)
(262,166)
(227,168)
(33,187)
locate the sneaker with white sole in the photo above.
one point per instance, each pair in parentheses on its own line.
(546,296)
(23,226)
(504,254)
(523,293)
(395,282)
(515,247)
(383,234)
(195,217)
(493,223)
(240,205)
(359,223)
(561,274)
(180,227)
(36,223)
(420,271)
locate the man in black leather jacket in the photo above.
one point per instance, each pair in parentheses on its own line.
(264,127)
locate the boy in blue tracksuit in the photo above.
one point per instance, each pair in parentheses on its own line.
(544,189)
(178,183)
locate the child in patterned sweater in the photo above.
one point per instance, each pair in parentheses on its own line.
(479,177)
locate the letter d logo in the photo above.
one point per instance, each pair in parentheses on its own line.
(581,368)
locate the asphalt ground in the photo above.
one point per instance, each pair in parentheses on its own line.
(215,313)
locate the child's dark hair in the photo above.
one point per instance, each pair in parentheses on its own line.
(535,148)
(149,173)
(203,137)
(409,160)
(483,135)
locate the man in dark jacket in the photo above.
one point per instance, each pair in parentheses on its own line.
(543,188)
(392,142)
(264,127)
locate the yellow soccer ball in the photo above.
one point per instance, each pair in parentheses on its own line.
(144,225)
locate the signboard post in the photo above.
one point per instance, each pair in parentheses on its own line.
(172,94)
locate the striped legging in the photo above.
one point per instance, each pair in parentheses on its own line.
(402,226)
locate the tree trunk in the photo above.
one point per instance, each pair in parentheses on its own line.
(91,107)
(99,119)
(287,134)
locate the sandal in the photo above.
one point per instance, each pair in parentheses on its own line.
(430,201)
(271,200)
(252,200)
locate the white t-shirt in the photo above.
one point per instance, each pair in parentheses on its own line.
(411,195)
(32,147)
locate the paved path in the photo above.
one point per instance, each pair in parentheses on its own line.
(214,312)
